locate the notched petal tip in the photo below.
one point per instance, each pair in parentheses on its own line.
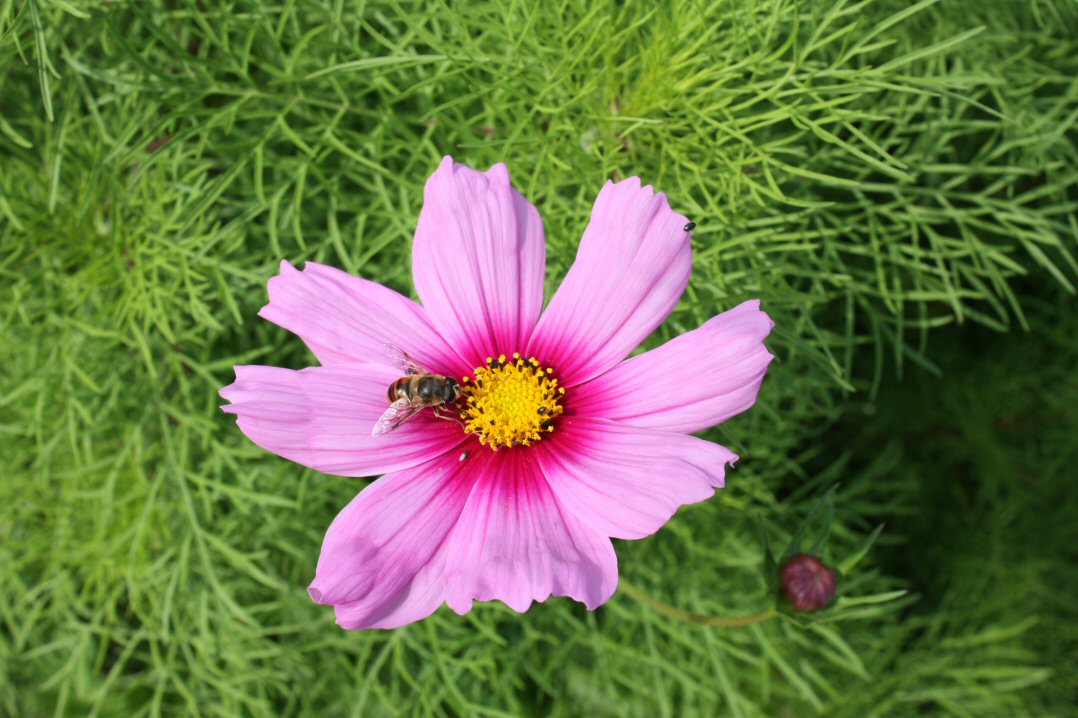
(594,605)
(629,183)
(276,286)
(499,173)
(754,305)
(631,198)
(633,190)
(229,391)
(459,607)
(730,463)
(495,178)
(315,594)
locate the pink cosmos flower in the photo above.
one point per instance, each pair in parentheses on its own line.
(589,444)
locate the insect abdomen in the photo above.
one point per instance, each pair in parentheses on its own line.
(400,389)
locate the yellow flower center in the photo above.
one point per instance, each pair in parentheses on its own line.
(511,403)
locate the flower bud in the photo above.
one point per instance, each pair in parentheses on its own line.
(807,582)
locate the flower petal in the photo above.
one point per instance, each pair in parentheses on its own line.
(322,417)
(627,482)
(347,319)
(692,382)
(632,266)
(478,260)
(515,543)
(383,557)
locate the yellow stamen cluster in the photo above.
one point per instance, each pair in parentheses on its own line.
(511,402)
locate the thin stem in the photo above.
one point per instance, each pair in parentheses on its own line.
(688,616)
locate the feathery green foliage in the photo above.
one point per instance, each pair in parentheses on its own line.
(875,171)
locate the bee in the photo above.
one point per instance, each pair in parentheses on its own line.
(419,389)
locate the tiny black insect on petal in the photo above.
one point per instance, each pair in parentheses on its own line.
(542,410)
(689,227)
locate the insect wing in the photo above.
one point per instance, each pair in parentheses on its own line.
(402,359)
(398,412)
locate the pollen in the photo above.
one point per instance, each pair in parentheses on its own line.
(511,402)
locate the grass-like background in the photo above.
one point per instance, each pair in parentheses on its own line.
(894,180)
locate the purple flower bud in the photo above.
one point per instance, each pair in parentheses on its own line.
(807,582)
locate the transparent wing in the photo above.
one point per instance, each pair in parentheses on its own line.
(402,359)
(398,412)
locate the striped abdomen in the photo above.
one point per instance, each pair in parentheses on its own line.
(427,389)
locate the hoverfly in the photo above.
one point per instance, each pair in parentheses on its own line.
(418,389)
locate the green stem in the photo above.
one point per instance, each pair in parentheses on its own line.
(688,616)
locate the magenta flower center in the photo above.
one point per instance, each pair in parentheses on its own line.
(511,402)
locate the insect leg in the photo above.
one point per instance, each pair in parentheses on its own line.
(447,417)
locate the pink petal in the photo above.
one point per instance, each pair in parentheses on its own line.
(478,261)
(632,266)
(346,319)
(515,543)
(382,561)
(322,417)
(627,482)
(692,382)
